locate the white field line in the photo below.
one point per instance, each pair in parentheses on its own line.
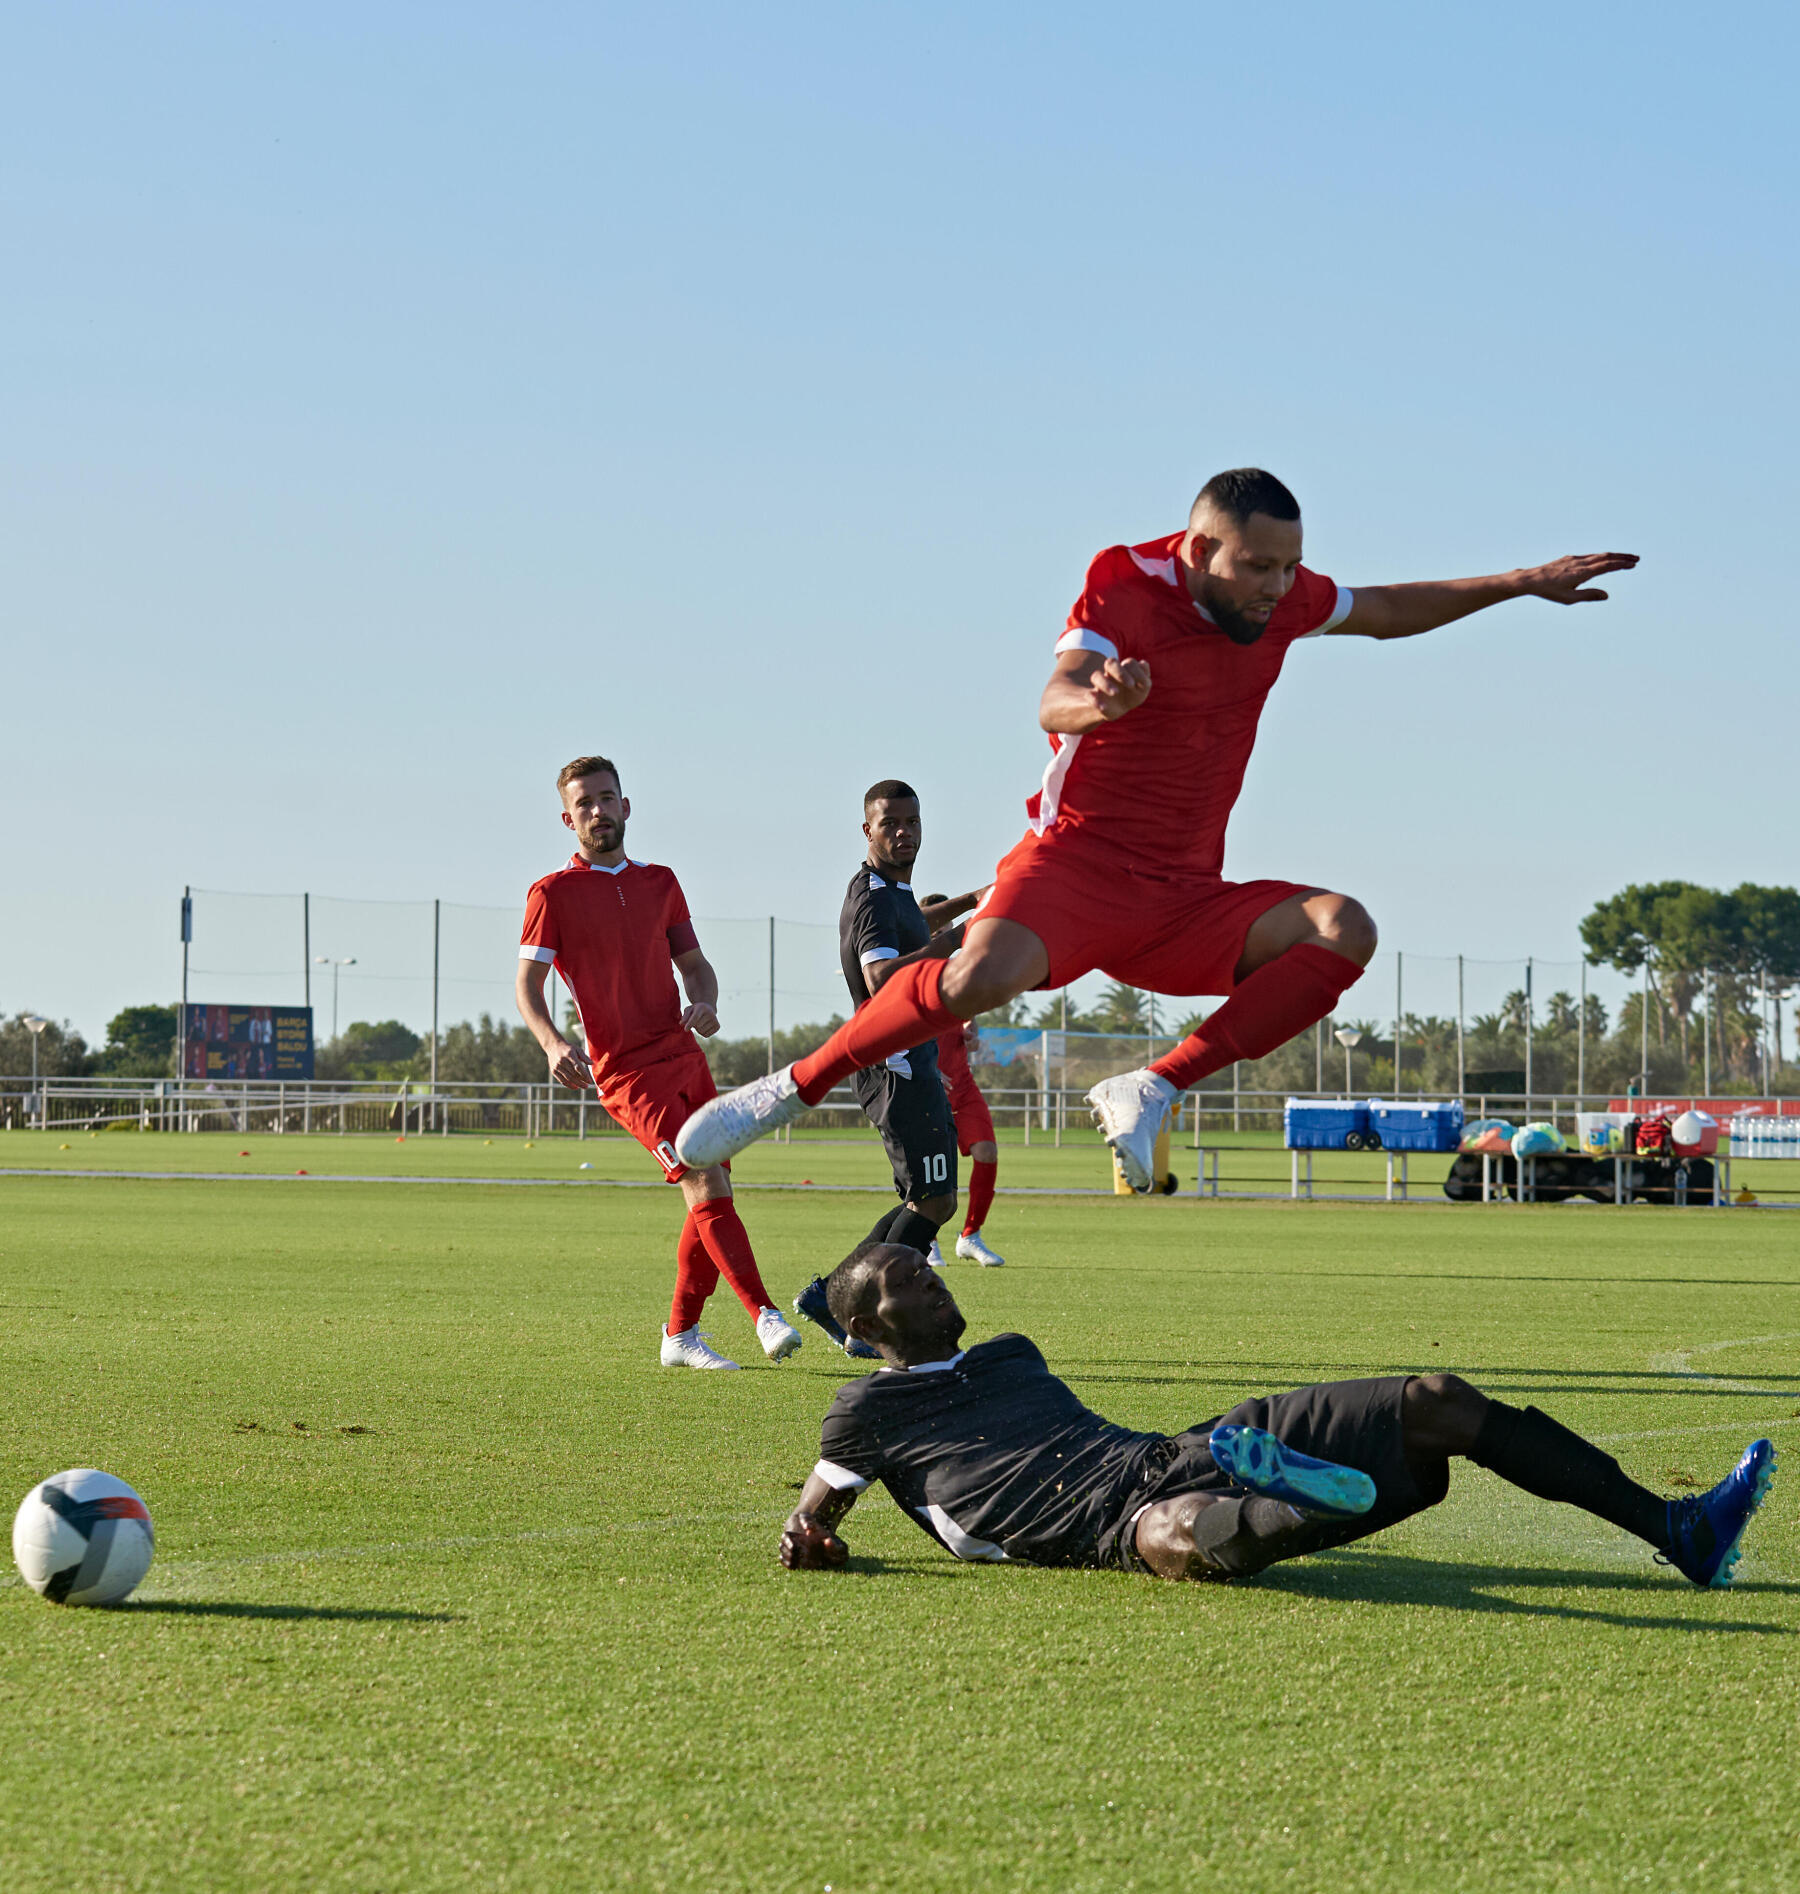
(568,1535)
(1677,1364)
(520,1183)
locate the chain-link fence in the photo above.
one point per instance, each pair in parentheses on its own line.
(1415,1023)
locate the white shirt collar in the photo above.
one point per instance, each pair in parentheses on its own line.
(925,1367)
(599,868)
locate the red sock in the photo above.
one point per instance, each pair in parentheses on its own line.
(696,1277)
(981,1196)
(906,1012)
(1266,1009)
(728,1244)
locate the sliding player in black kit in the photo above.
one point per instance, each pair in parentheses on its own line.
(997,1459)
(881,928)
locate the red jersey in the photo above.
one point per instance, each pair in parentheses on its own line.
(1158,786)
(612,934)
(953,1066)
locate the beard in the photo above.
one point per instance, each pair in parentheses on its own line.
(1236,627)
(604,837)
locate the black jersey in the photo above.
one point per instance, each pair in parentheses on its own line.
(880,920)
(992,1454)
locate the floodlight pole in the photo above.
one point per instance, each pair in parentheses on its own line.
(1528,1036)
(1460,1081)
(1581,1037)
(1399,1014)
(325,960)
(187,936)
(1347,1036)
(437,918)
(34,1025)
(771,992)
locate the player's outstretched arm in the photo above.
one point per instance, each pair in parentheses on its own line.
(1403,611)
(701,984)
(568,1066)
(809,1541)
(1087,690)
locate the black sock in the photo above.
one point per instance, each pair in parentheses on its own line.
(880,1232)
(916,1232)
(1529,1449)
(1237,1535)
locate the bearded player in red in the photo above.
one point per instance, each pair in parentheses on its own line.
(618,931)
(1122,868)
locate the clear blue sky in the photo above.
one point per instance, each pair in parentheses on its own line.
(397,400)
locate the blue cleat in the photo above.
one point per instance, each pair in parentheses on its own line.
(1704,1531)
(811,1303)
(1256,1459)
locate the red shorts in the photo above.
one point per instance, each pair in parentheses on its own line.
(1177,934)
(974,1122)
(655,1101)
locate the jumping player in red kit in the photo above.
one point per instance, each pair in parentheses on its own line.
(618,931)
(1151,711)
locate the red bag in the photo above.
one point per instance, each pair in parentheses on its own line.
(1653,1137)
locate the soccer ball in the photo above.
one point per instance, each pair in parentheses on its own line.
(83,1538)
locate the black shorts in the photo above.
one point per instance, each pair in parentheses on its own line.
(913,1117)
(1355,1423)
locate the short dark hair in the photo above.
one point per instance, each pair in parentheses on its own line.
(1241,491)
(587,766)
(889,789)
(847,1287)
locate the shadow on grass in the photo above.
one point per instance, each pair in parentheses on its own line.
(204,1608)
(1394,1579)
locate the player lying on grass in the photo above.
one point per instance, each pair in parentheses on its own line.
(1151,712)
(997,1459)
(618,931)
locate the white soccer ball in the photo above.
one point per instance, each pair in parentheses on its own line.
(83,1538)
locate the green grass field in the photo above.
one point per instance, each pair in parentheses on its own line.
(457,1589)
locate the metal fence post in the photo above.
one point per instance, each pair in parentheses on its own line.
(1528,1036)
(1461,1082)
(771,992)
(1399,1014)
(437,910)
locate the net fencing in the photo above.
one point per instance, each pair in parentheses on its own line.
(411,961)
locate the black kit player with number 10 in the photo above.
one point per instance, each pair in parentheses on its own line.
(882,928)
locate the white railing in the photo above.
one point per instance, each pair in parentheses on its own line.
(538,1109)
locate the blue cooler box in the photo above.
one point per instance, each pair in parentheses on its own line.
(1322,1124)
(1420,1127)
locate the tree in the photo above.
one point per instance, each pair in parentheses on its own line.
(382,1050)
(1121,1010)
(490,1052)
(140,1043)
(61,1050)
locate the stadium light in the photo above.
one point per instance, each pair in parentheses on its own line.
(1347,1036)
(34,1026)
(325,960)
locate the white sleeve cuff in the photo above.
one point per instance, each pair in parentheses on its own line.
(839,1479)
(545,954)
(1339,612)
(880,953)
(1080,638)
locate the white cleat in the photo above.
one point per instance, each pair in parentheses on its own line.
(1130,1110)
(778,1335)
(687,1350)
(935,1256)
(723,1126)
(972,1249)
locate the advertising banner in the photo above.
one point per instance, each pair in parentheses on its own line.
(248,1042)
